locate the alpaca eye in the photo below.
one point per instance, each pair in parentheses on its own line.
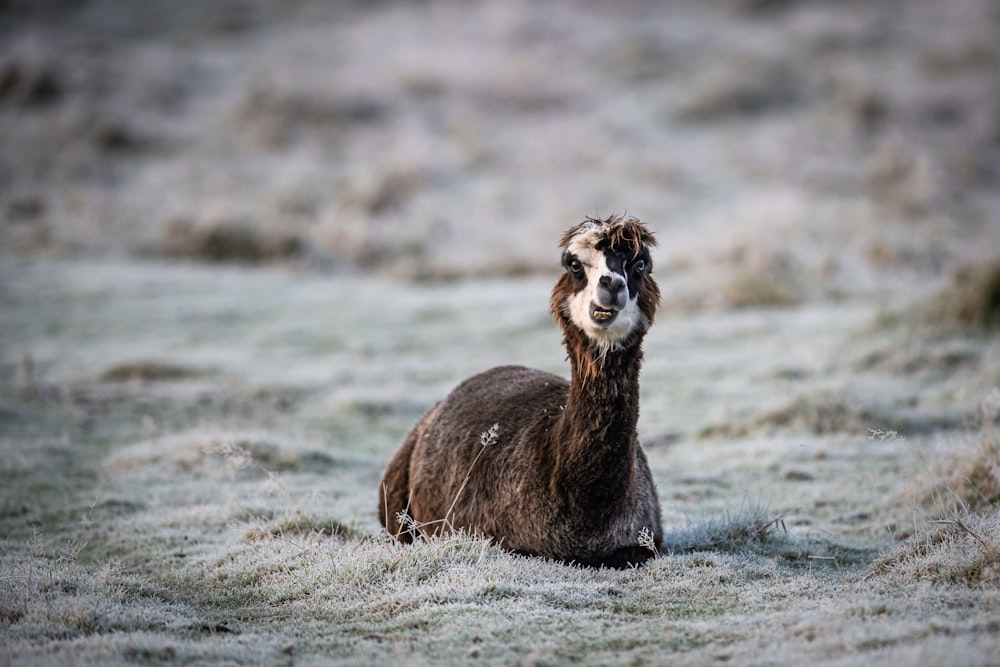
(575,266)
(639,266)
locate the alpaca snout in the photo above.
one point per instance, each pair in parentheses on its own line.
(611,292)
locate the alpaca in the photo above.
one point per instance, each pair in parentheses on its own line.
(548,467)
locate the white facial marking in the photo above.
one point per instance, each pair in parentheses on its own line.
(580,306)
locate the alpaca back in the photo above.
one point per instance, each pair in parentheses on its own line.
(507,488)
(507,492)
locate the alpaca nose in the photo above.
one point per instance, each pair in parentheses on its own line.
(611,290)
(613,283)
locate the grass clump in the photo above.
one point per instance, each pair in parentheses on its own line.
(764,279)
(752,527)
(146,370)
(970,482)
(960,545)
(962,550)
(49,596)
(741,89)
(820,413)
(297,523)
(227,241)
(972,299)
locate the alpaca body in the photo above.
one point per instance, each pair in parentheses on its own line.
(564,476)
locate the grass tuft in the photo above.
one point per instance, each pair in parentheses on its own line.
(963,550)
(960,544)
(820,413)
(970,482)
(750,528)
(972,299)
(296,524)
(765,280)
(149,371)
(228,241)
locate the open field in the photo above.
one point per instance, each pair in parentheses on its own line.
(243,249)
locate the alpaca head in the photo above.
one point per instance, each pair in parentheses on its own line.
(606,290)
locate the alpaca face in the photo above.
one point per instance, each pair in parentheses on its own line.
(606,265)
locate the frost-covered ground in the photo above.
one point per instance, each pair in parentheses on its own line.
(244,245)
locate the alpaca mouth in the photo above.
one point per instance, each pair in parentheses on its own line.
(602,315)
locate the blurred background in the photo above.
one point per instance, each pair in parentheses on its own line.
(244,245)
(784,150)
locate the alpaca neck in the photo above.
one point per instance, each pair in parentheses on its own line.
(598,436)
(604,389)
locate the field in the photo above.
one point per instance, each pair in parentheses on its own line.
(244,245)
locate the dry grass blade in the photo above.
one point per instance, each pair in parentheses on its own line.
(988,549)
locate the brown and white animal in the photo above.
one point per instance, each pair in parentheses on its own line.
(561,474)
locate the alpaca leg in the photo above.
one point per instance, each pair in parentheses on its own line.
(620,558)
(394,491)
